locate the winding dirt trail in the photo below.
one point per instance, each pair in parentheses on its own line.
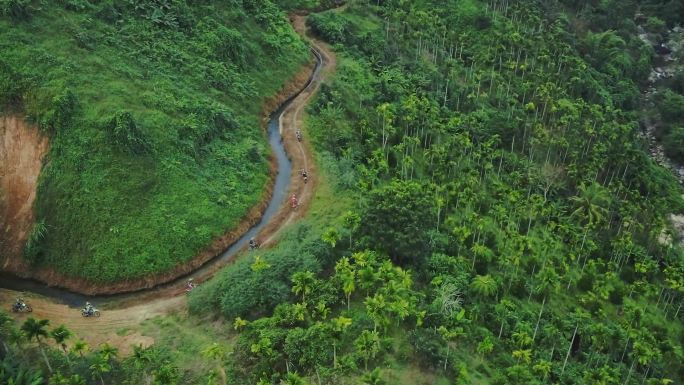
(119,323)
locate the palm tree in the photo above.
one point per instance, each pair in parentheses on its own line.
(352,220)
(373,378)
(331,236)
(302,283)
(367,345)
(367,277)
(79,347)
(100,367)
(591,202)
(542,367)
(102,364)
(485,346)
(345,272)
(484,285)
(293,379)
(35,329)
(108,352)
(504,309)
(166,374)
(450,334)
(143,358)
(549,283)
(60,334)
(376,307)
(217,353)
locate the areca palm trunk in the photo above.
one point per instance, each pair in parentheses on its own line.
(42,352)
(567,355)
(629,374)
(536,327)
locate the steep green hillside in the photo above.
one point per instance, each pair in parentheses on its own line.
(152,108)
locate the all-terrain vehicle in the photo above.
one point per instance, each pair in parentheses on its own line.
(21,307)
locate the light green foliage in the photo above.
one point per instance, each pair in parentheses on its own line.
(308,341)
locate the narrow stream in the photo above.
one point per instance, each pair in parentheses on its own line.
(280,188)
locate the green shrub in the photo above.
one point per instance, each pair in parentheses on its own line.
(671,108)
(16,9)
(126,134)
(12,86)
(32,247)
(245,290)
(429,347)
(330,26)
(674,143)
(406,236)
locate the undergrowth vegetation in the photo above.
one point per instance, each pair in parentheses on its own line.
(153,113)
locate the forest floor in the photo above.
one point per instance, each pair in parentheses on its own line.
(120,325)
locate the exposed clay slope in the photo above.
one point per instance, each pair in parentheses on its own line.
(22,149)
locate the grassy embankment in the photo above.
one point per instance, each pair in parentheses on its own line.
(153,113)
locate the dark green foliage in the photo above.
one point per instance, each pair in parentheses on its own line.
(126,134)
(246,289)
(309,348)
(329,26)
(32,248)
(405,236)
(61,116)
(16,9)
(428,347)
(674,144)
(671,108)
(15,372)
(12,87)
(672,11)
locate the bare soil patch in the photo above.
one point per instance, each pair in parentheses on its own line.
(22,150)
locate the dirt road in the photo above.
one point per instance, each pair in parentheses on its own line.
(118,325)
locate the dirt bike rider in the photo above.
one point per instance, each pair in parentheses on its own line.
(305,175)
(253,244)
(299,135)
(89,309)
(190,285)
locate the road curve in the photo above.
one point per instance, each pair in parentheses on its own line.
(124,311)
